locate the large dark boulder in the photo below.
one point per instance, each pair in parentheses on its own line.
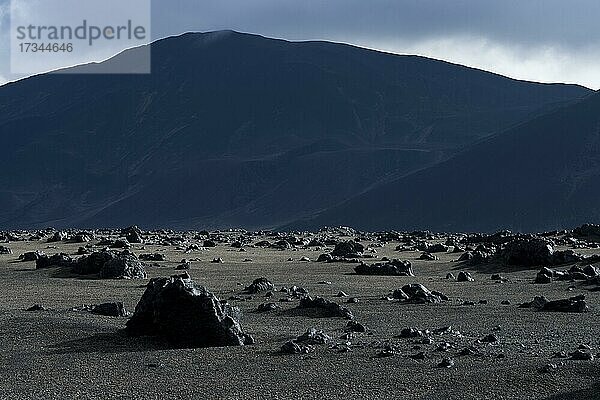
(31,255)
(133,234)
(92,263)
(528,252)
(394,267)
(56,260)
(186,315)
(348,249)
(110,265)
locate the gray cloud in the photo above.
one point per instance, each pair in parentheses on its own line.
(572,23)
(542,40)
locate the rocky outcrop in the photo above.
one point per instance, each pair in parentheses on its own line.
(327,308)
(186,315)
(418,294)
(259,285)
(528,252)
(350,249)
(576,304)
(110,265)
(57,260)
(394,267)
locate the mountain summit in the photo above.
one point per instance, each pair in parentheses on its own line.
(234,129)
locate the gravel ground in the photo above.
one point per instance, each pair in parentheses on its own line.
(63,354)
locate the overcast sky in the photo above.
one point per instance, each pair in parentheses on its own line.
(539,40)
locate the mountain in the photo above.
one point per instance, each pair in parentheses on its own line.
(541,175)
(234,129)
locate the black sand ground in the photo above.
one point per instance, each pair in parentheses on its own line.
(62,354)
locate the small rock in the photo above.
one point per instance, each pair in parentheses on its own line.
(446,362)
(464,276)
(116,309)
(353,326)
(264,307)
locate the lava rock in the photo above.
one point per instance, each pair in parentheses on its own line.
(391,268)
(348,249)
(589,231)
(264,307)
(419,294)
(259,285)
(446,363)
(544,275)
(326,257)
(327,307)
(292,347)
(466,256)
(120,244)
(490,338)
(428,256)
(31,255)
(186,315)
(464,276)
(133,234)
(581,355)
(354,326)
(575,304)
(183,266)
(152,257)
(313,336)
(528,252)
(116,309)
(411,332)
(111,265)
(57,237)
(56,260)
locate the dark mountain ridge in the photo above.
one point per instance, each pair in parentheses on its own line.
(235,129)
(541,175)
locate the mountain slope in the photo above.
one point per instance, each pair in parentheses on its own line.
(542,175)
(236,129)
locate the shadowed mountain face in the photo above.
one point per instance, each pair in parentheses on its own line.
(239,130)
(541,175)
